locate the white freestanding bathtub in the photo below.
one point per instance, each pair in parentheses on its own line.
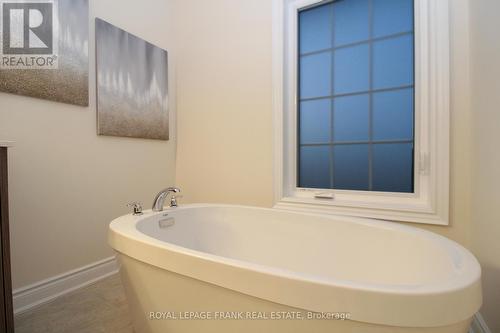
(215,268)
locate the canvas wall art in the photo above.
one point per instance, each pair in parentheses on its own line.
(44,49)
(132,85)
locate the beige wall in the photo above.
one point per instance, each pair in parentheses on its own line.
(225,114)
(225,106)
(66,182)
(486,138)
(224,93)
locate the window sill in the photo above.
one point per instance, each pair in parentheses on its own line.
(413,211)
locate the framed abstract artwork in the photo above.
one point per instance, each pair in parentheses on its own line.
(132,85)
(45,49)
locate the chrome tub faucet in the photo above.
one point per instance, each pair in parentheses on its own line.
(160,198)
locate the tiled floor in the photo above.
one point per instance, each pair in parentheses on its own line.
(99,308)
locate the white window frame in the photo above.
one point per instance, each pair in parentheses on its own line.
(430,202)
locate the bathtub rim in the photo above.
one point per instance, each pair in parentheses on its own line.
(137,235)
(124,229)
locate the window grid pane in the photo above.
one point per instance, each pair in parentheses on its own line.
(370,90)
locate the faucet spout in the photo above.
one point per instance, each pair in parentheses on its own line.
(160,198)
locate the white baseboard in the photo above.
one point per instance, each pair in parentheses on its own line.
(479,325)
(47,290)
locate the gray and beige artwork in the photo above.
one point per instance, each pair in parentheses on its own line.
(44,49)
(132,87)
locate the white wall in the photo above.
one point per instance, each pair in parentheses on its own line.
(66,183)
(485,46)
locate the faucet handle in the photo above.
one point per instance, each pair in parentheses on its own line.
(173,200)
(136,206)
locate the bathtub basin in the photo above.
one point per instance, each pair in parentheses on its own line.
(220,268)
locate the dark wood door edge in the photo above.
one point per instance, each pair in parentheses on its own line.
(7,303)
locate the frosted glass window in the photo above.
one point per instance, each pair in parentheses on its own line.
(393,62)
(351,70)
(315,29)
(315,167)
(351,167)
(392,17)
(356,96)
(315,121)
(315,75)
(350,21)
(393,107)
(393,167)
(351,118)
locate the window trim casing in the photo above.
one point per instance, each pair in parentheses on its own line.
(429,203)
